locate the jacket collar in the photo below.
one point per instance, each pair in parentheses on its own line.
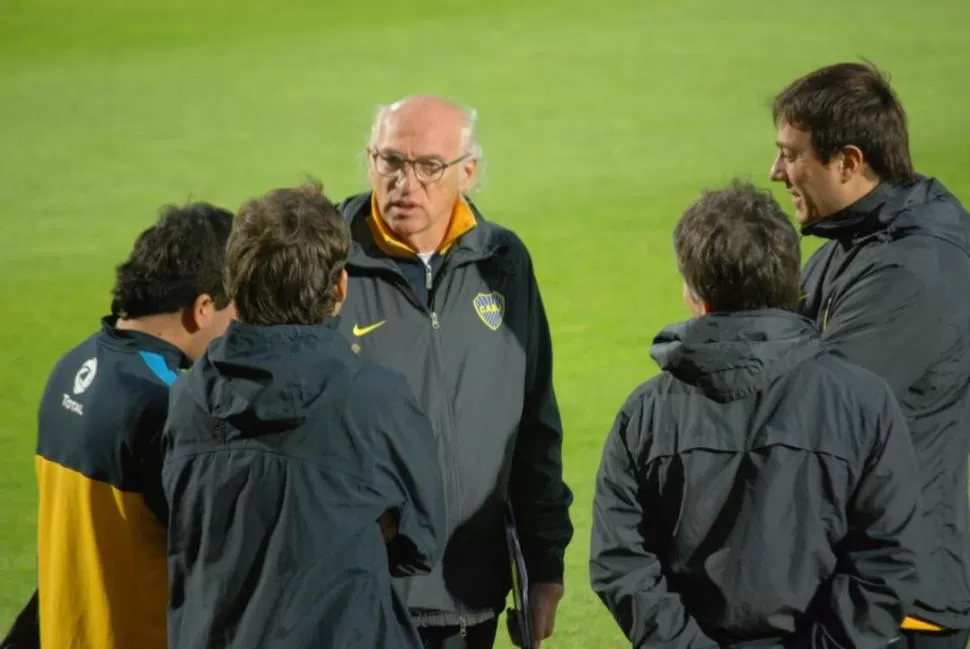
(864,217)
(461,221)
(476,243)
(137,341)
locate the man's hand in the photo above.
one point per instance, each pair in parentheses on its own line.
(388,526)
(543,602)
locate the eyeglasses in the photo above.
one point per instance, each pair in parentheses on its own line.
(426,170)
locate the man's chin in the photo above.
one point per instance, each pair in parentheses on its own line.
(804,218)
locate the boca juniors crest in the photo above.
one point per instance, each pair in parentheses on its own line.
(490,307)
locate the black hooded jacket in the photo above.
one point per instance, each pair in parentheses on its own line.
(282,450)
(889,289)
(759,490)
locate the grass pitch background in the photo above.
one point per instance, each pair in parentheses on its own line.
(600,122)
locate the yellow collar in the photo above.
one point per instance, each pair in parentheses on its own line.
(462,221)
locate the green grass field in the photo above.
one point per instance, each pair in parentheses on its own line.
(600,122)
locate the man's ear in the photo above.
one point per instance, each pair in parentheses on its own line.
(200,314)
(696,305)
(466,175)
(340,292)
(852,162)
(341,288)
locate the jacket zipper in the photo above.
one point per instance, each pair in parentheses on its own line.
(439,363)
(436,325)
(453,455)
(428,281)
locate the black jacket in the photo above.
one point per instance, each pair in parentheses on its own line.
(282,450)
(24,633)
(891,291)
(101,555)
(759,490)
(476,349)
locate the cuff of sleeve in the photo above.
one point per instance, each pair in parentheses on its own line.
(547,568)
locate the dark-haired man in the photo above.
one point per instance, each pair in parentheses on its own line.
(283,450)
(888,289)
(101,556)
(759,490)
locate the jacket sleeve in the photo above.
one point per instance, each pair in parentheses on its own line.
(625,572)
(880,321)
(539,496)
(25,632)
(876,575)
(147,457)
(410,465)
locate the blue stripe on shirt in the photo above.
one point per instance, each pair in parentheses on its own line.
(156,363)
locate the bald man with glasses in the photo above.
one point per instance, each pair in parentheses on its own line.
(451,301)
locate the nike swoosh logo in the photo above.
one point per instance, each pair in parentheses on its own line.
(362,331)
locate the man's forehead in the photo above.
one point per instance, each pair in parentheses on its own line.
(422,127)
(419,140)
(792,137)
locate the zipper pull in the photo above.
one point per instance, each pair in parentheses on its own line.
(434,320)
(463,630)
(427,277)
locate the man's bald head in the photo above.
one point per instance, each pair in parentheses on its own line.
(443,120)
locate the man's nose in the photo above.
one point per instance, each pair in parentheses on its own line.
(777,171)
(405,177)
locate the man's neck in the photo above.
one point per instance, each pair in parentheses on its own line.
(429,241)
(859,189)
(167,327)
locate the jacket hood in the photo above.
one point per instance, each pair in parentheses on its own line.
(265,379)
(732,355)
(925,207)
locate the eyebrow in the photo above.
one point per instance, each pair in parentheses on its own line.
(433,157)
